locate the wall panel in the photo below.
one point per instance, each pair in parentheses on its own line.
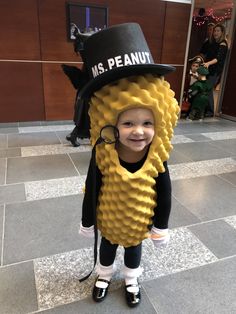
(59,94)
(19,30)
(21,92)
(36,30)
(175,80)
(175,33)
(149,14)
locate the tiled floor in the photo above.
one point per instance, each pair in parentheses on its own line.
(43,257)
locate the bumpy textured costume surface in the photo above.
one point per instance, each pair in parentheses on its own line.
(126,200)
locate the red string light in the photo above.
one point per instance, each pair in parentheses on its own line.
(200,20)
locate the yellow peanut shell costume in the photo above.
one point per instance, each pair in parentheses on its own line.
(127,200)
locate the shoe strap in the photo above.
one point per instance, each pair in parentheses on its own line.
(103,280)
(133,285)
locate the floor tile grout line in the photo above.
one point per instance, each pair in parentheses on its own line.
(9,184)
(214,144)
(170,165)
(201,222)
(205,222)
(181,155)
(175,228)
(231,183)
(149,299)
(213,141)
(3,233)
(80,175)
(54,126)
(59,305)
(58,137)
(202,243)
(7,140)
(28,260)
(5,176)
(156,278)
(37,295)
(74,165)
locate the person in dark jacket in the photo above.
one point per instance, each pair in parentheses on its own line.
(78,78)
(208,40)
(215,55)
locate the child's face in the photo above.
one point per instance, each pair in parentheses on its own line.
(194,67)
(136,128)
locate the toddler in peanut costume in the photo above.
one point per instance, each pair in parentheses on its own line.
(128,189)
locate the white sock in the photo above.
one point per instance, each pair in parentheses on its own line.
(132,281)
(104,272)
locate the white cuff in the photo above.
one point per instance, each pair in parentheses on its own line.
(87,232)
(104,270)
(132,272)
(159,236)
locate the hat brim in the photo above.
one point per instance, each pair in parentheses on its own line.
(118,73)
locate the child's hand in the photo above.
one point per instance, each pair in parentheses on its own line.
(87,232)
(159,236)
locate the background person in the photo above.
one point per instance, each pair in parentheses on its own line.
(190,79)
(199,91)
(78,78)
(214,57)
(208,40)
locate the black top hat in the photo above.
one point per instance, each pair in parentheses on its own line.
(117,52)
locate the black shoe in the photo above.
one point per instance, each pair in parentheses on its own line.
(99,294)
(133,298)
(73,140)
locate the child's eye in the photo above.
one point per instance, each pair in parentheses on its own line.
(127,123)
(148,123)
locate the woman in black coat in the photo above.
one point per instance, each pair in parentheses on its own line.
(214,54)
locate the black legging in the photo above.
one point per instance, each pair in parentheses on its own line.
(107,254)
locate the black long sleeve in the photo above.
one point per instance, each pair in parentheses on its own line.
(163,208)
(87,207)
